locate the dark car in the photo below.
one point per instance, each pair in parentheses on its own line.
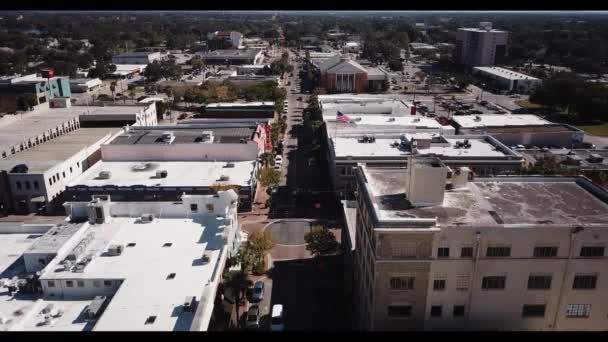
(253,317)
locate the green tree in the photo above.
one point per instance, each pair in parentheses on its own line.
(113,89)
(395,65)
(260,242)
(269,177)
(266,158)
(548,165)
(321,241)
(237,283)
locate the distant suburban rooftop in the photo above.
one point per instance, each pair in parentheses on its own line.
(491,201)
(476,29)
(422,46)
(499,120)
(47,155)
(441,146)
(137,54)
(506,73)
(238,104)
(184,135)
(232,53)
(182,174)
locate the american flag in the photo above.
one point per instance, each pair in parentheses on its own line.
(343,118)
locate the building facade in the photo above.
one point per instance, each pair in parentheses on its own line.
(508,80)
(31,92)
(137,58)
(427,258)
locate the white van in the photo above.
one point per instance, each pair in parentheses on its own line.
(276,322)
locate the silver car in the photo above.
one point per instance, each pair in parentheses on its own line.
(258,291)
(253,317)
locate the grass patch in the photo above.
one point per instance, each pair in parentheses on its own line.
(599,130)
(528,105)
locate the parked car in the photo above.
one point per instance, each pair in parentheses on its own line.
(276,321)
(278,160)
(476,112)
(258,291)
(397,88)
(483,103)
(253,317)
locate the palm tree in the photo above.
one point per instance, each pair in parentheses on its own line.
(113,88)
(238,283)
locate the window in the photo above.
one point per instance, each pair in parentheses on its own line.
(210,207)
(592,251)
(54,180)
(194,207)
(150,320)
(402,283)
(494,283)
(545,252)
(436,311)
(439,284)
(462,282)
(466,252)
(96,283)
(399,310)
(539,282)
(78,164)
(27,185)
(404,250)
(18,185)
(533,310)
(80,283)
(50,181)
(107,283)
(69,283)
(498,252)
(584,282)
(168,244)
(443,252)
(171,276)
(63,174)
(36,186)
(70,169)
(458,310)
(578,310)
(51,283)
(131,244)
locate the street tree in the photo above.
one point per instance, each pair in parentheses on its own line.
(321,241)
(260,242)
(237,283)
(269,177)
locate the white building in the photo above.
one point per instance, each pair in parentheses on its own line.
(351,47)
(508,80)
(35,179)
(504,253)
(188,243)
(125,70)
(138,58)
(519,129)
(233,37)
(84,85)
(118,116)
(481,46)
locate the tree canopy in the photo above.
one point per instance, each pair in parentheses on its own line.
(321,241)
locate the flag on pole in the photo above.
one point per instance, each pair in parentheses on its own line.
(343,118)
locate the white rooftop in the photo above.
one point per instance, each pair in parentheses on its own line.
(195,174)
(506,73)
(239,104)
(345,147)
(499,120)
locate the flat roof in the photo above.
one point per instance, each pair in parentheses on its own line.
(54,238)
(49,154)
(13,247)
(476,29)
(506,73)
(232,53)
(185,135)
(377,122)
(14,129)
(576,158)
(238,104)
(179,174)
(513,200)
(146,291)
(481,147)
(112,110)
(500,120)
(137,54)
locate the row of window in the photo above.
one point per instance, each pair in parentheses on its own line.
(45,137)
(194,207)
(55,178)
(539,252)
(528,310)
(535,282)
(27,185)
(80,283)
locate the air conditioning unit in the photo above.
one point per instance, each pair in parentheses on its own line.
(161,174)
(115,250)
(230,164)
(189,303)
(147,218)
(224,178)
(105,175)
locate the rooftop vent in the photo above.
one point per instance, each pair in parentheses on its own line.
(230,164)
(147,218)
(477,118)
(166,137)
(105,175)
(224,178)
(391,119)
(115,250)
(161,174)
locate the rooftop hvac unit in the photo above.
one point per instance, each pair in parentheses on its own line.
(416,120)
(391,119)
(477,118)
(115,250)
(147,218)
(230,164)
(161,174)
(105,175)
(167,136)
(224,178)
(595,158)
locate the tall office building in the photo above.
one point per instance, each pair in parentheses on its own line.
(481,46)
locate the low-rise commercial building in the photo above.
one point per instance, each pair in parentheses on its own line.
(35,179)
(343,75)
(219,39)
(84,85)
(483,154)
(238,110)
(102,258)
(437,250)
(243,80)
(118,116)
(233,57)
(505,79)
(138,58)
(519,129)
(31,91)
